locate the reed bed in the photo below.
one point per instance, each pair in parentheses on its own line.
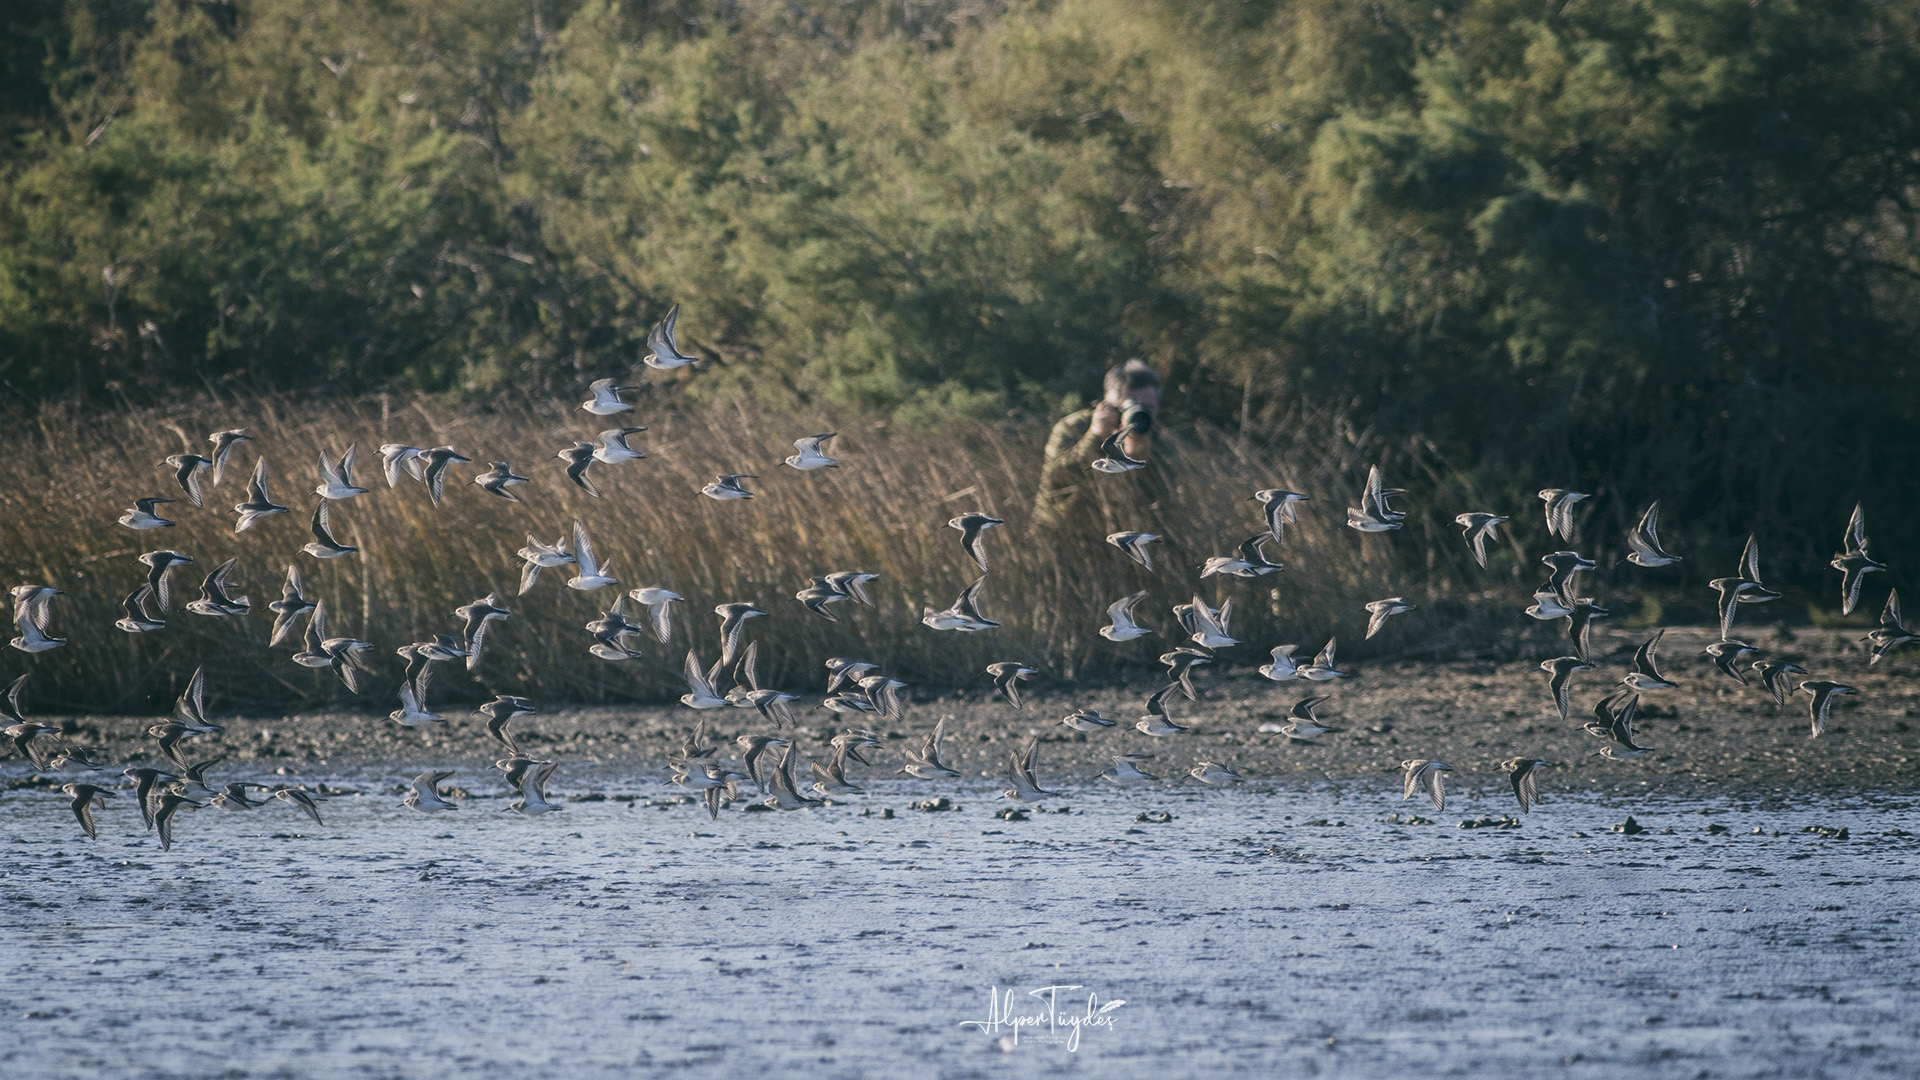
(69,473)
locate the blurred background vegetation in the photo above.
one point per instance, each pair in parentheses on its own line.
(1645,248)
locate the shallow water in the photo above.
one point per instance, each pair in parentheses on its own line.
(625,938)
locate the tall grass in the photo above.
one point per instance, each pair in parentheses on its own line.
(68,474)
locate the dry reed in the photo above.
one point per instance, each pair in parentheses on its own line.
(69,474)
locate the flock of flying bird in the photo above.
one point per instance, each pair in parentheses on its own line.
(856,690)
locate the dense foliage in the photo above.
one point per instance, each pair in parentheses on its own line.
(1653,247)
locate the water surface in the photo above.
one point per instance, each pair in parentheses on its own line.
(1258,933)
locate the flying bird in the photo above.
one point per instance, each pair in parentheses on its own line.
(223,444)
(613,448)
(1644,539)
(1373,514)
(1422,774)
(435,472)
(1523,773)
(972,527)
(1853,560)
(1135,545)
(663,351)
(1279,506)
(810,456)
(728,488)
(579,459)
(1559,510)
(1379,611)
(498,478)
(1481,529)
(141,515)
(606,398)
(336,481)
(323,545)
(259,502)
(1823,692)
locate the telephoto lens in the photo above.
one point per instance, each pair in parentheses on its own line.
(1136,418)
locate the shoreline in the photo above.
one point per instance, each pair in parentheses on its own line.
(1710,735)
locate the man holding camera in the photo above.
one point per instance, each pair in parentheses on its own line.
(1130,405)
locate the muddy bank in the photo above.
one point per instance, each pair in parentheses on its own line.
(1712,736)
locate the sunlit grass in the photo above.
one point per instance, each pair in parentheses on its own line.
(884,511)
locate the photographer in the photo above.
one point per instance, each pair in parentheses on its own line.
(1130,404)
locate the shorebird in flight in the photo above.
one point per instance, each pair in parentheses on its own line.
(1644,539)
(1135,545)
(613,448)
(498,478)
(1126,769)
(1560,670)
(1853,561)
(1006,680)
(1373,514)
(964,615)
(397,456)
(972,527)
(1823,692)
(1156,721)
(425,796)
(259,502)
(1251,562)
(336,480)
(1114,458)
(1727,656)
(1559,511)
(32,611)
(216,597)
(1120,625)
(1283,667)
(1279,506)
(1892,632)
(728,488)
(1481,529)
(1646,669)
(141,515)
(579,459)
(926,763)
(663,351)
(1214,774)
(1523,773)
(157,564)
(223,444)
(810,456)
(186,472)
(606,398)
(435,473)
(1322,669)
(538,556)
(1026,786)
(1422,774)
(323,545)
(1379,611)
(589,573)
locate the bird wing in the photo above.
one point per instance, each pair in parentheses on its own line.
(696,679)
(583,552)
(329,476)
(1857,530)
